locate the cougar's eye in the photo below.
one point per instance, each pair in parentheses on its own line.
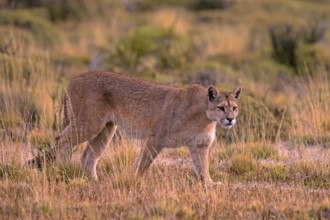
(234,108)
(221,108)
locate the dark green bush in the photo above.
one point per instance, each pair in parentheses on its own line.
(62,10)
(210,4)
(25,3)
(59,10)
(284,41)
(294,46)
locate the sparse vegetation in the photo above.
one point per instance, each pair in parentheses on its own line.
(274,164)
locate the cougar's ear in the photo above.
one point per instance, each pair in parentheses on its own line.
(237,92)
(212,93)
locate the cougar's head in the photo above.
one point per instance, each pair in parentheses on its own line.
(223,106)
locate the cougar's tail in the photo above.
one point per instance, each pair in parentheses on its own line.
(49,155)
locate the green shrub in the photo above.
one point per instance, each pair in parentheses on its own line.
(292,45)
(284,41)
(43,31)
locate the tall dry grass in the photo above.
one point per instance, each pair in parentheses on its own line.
(165,192)
(309,106)
(29,87)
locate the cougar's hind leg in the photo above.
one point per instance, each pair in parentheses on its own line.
(95,147)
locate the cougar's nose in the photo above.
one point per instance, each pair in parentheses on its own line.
(230,119)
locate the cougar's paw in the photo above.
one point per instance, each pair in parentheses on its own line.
(212,184)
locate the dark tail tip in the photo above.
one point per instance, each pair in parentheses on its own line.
(42,159)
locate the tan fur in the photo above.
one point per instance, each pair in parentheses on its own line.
(99,102)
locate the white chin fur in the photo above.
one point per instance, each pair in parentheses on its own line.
(226,126)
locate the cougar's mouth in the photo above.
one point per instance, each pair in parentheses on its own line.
(228,124)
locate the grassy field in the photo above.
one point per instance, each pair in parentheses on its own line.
(275,164)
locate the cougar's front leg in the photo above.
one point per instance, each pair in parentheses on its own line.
(200,158)
(146,157)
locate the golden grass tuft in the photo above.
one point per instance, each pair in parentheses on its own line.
(310,102)
(257,150)
(263,150)
(242,164)
(276,172)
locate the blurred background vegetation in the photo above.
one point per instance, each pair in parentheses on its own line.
(277,50)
